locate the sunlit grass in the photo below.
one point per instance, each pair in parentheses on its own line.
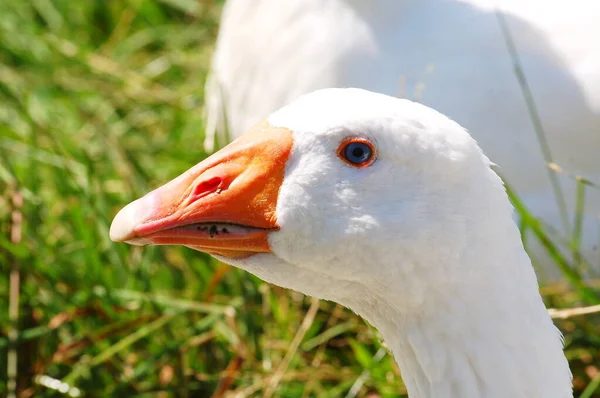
(101,102)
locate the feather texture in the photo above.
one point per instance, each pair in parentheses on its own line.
(421,243)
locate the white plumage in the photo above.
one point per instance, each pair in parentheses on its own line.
(420,242)
(450,55)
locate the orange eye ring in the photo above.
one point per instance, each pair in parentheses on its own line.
(357,152)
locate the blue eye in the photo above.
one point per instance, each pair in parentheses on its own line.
(357,152)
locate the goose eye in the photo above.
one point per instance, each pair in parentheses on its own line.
(357,152)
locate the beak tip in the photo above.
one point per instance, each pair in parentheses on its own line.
(125,222)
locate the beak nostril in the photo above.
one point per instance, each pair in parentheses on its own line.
(206,187)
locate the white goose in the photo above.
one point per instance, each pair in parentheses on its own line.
(389,208)
(271,51)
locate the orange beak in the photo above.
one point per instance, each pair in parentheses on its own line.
(225,205)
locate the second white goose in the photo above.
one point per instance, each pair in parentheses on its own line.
(450,55)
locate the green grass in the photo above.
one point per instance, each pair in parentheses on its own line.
(101,101)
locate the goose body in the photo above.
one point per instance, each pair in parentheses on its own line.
(448,54)
(389,208)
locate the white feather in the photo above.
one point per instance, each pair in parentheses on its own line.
(421,243)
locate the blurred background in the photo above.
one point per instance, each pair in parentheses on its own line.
(100,102)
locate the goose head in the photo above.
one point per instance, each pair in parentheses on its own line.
(385,206)
(293,202)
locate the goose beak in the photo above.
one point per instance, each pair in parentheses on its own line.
(225,205)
